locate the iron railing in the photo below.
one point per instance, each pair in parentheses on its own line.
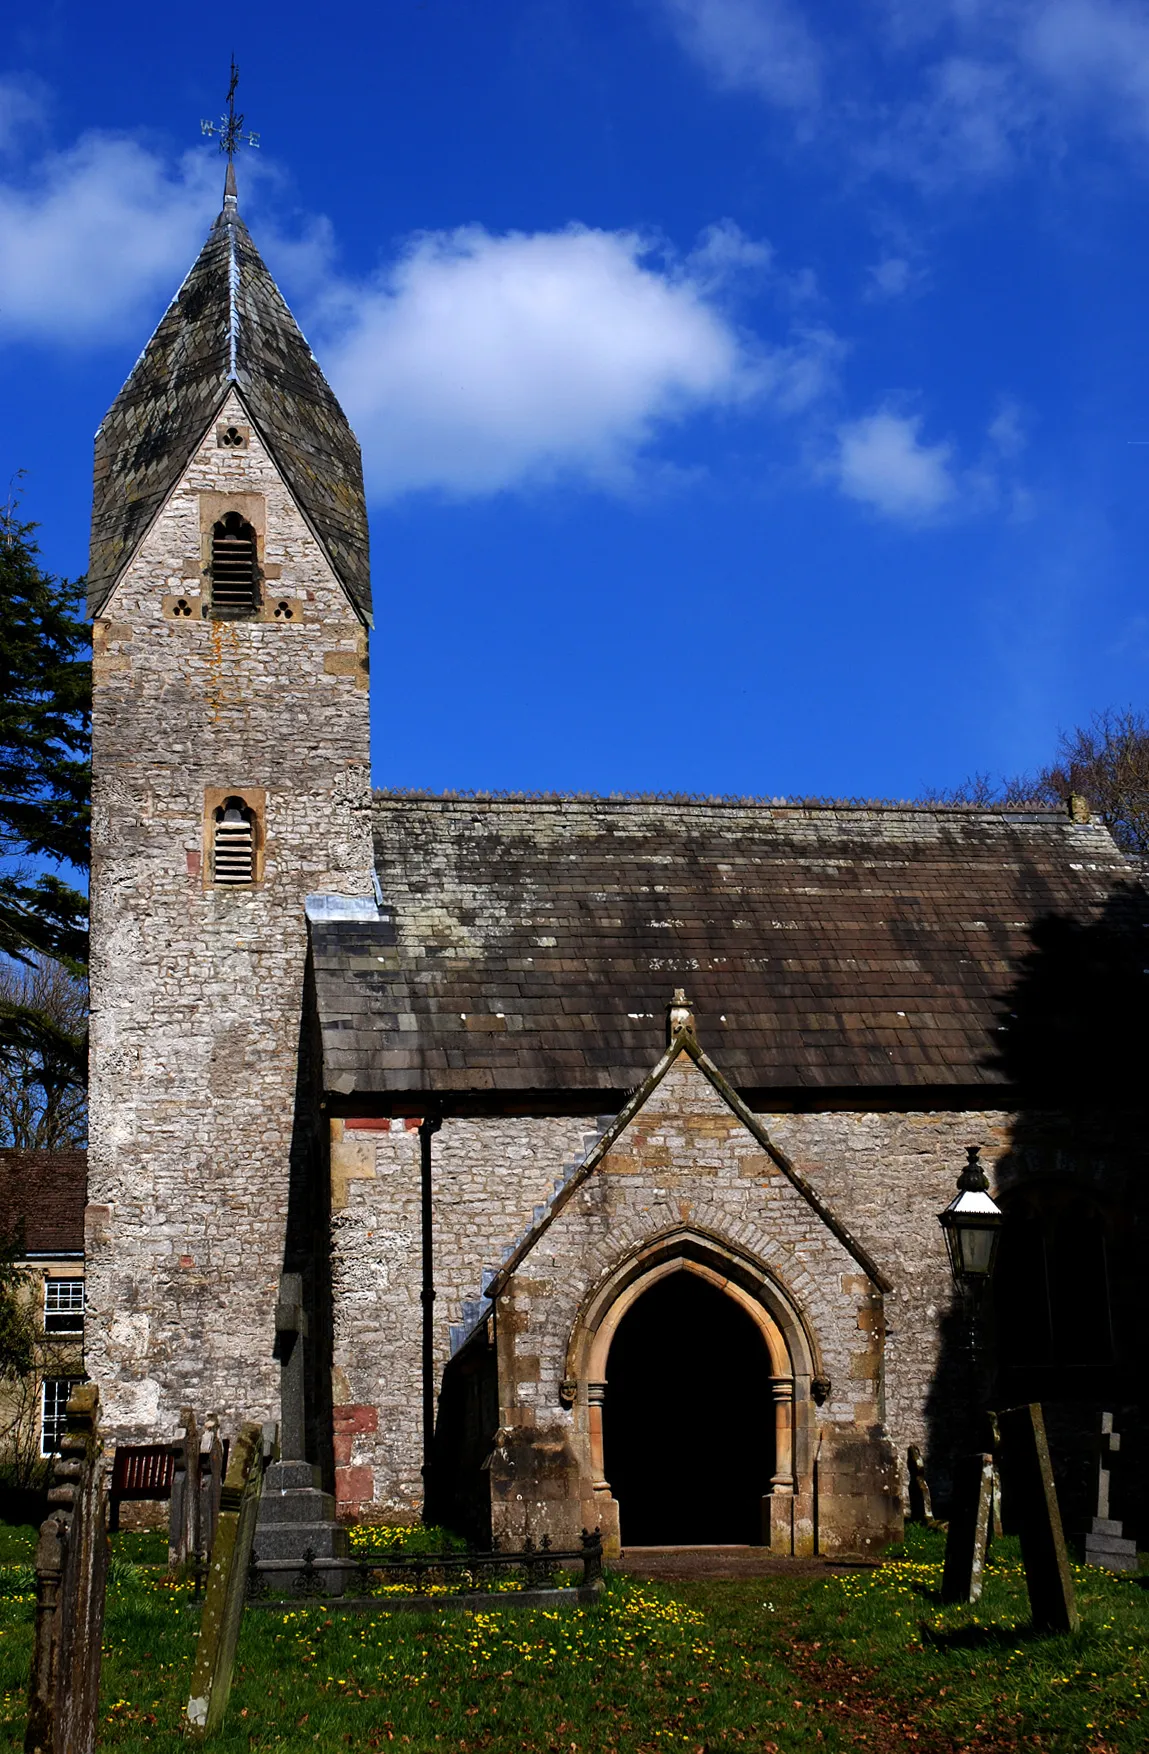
(394,1578)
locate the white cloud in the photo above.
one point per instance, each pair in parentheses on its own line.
(758,45)
(97,233)
(1006,431)
(23,104)
(1092,51)
(473,364)
(933,91)
(481,362)
(724,254)
(892,277)
(883,463)
(972,122)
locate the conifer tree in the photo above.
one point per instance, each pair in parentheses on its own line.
(45,784)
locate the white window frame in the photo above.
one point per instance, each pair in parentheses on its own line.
(54,1393)
(71,1305)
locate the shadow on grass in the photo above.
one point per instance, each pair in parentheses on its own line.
(981,1637)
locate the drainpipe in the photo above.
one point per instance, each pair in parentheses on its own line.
(427,1128)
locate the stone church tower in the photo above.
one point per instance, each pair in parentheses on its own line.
(230,591)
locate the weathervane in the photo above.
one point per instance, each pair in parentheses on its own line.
(230,127)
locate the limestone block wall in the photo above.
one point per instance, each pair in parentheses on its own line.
(487,1176)
(885,1176)
(197,993)
(687,1166)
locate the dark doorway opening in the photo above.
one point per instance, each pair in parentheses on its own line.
(688,1420)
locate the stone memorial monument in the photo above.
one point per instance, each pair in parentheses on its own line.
(296,1516)
(226,1584)
(1105,1543)
(968,1537)
(71,1579)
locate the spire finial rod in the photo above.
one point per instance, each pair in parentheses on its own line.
(231,134)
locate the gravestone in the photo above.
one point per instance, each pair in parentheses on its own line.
(71,1581)
(968,1535)
(921,1505)
(296,1517)
(183,1510)
(226,1584)
(1028,1481)
(211,1464)
(995,1526)
(1105,1543)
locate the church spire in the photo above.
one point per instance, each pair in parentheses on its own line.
(227,330)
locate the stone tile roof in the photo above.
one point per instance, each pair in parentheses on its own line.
(48,1190)
(228,326)
(534,944)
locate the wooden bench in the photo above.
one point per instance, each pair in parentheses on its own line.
(141,1470)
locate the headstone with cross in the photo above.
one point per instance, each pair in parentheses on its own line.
(296,1517)
(290,1338)
(1105,1543)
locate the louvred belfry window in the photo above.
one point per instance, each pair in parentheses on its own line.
(234,572)
(233,844)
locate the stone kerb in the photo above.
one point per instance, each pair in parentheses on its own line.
(71,1581)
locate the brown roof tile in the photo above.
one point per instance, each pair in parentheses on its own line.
(48,1191)
(801,934)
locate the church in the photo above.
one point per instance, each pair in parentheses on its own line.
(603,1139)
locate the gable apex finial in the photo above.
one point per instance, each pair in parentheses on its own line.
(679,1015)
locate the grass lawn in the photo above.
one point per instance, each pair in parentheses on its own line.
(867,1660)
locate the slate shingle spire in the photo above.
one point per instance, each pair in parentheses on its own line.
(228,328)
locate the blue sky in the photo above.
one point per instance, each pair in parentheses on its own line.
(753,393)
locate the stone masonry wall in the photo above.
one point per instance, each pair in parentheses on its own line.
(197,993)
(686,1161)
(885,1176)
(488,1175)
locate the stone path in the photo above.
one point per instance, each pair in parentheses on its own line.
(682,1564)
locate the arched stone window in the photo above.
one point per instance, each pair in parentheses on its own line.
(233,844)
(234,567)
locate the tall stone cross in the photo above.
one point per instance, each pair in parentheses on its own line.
(1106,1543)
(290,1334)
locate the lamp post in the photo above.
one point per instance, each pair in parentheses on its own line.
(971,1224)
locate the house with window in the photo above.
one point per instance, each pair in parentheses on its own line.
(42,1197)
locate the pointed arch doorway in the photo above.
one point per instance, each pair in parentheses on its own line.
(688,1417)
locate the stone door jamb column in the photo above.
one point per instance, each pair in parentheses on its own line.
(782,1390)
